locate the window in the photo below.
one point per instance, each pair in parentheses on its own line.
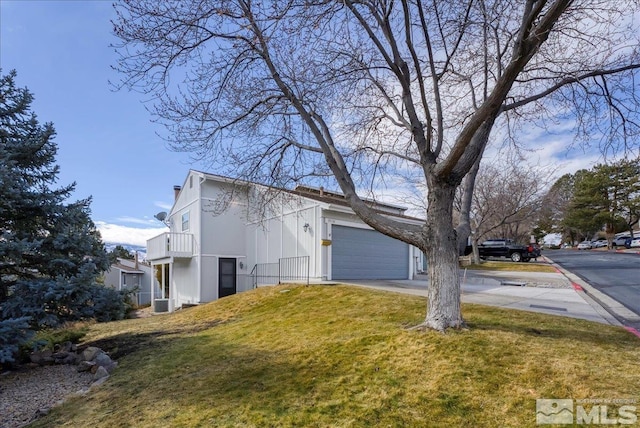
(185,221)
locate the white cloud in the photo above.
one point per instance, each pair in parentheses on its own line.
(115,233)
(142,221)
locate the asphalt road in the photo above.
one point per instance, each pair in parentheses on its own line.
(615,274)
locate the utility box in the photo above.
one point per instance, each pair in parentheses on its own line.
(161,305)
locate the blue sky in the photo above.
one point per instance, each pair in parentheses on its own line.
(106,141)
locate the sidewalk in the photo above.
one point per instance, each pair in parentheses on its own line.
(557,296)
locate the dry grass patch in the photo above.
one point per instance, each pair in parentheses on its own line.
(513,267)
(342,356)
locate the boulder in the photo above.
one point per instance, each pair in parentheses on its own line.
(103,360)
(99,381)
(85,366)
(100,373)
(42,357)
(111,367)
(59,356)
(71,359)
(90,353)
(91,359)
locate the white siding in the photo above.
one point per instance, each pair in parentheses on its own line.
(222,220)
(274,240)
(209,278)
(184,282)
(223,233)
(283,235)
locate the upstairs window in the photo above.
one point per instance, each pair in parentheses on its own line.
(185,221)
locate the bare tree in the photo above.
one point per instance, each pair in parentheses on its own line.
(362,91)
(555,206)
(507,200)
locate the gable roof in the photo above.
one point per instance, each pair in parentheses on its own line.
(126,269)
(316,194)
(321,195)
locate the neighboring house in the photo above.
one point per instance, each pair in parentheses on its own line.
(129,274)
(227,236)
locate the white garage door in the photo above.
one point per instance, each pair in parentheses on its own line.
(367,254)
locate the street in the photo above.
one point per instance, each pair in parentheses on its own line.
(615,274)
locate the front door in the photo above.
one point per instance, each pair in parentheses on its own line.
(226,277)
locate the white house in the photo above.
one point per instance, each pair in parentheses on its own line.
(227,236)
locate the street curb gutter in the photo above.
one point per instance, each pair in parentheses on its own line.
(611,310)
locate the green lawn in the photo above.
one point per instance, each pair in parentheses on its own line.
(339,356)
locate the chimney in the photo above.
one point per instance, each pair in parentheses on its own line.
(176,191)
(136,259)
(321,191)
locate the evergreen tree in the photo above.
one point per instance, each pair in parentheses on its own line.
(606,197)
(625,193)
(120,252)
(50,251)
(590,206)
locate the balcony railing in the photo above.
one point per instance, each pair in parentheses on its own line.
(170,245)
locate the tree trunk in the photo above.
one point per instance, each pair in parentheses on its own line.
(443,307)
(475,252)
(464,225)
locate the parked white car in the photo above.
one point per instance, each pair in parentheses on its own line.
(635,243)
(584,245)
(599,243)
(619,241)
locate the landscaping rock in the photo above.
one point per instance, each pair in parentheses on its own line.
(30,391)
(100,373)
(71,359)
(42,357)
(89,360)
(60,356)
(85,366)
(90,353)
(99,381)
(103,360)
(111,367)
(23,400)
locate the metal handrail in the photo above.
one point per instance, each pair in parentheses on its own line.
(287,269)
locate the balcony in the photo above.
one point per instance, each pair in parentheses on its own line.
(178,245)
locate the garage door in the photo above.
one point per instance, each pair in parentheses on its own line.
(367,254)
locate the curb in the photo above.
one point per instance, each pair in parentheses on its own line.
(611,310)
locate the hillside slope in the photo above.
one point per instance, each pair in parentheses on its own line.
(343,356)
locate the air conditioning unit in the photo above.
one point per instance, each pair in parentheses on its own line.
(161,305)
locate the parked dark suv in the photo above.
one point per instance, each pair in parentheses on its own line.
(507,248)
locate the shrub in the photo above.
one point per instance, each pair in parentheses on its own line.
(13,334)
